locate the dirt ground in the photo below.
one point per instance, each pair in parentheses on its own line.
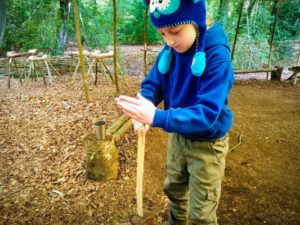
(43,180)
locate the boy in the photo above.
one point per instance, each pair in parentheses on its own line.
(193,75)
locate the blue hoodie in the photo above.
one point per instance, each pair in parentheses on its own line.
(195,107)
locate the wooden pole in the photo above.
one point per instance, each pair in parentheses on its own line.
(115,48)
(84,80)
(145,42)
(237,29)
(298,63)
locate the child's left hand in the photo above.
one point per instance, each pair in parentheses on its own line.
(139,109)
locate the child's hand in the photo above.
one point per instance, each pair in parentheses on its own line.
(137,125)
(139,109)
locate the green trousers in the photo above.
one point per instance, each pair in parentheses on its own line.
(193,184)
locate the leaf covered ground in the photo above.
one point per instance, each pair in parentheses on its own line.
(43,180)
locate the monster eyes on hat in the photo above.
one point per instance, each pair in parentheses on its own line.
(163,4)
(165,7)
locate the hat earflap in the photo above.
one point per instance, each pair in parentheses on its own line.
(165,61)
(198,64)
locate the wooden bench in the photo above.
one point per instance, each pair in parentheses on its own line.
(12,55)
(275,72)
(95,58)
(98,57)
(34,65)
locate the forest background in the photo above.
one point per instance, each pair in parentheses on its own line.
(49,26)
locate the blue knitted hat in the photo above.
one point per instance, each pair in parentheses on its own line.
(171,13)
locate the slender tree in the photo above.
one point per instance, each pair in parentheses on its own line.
(237,28)
(3,7)
(145,42)
(64,14)
(275,10)
(115,47)
(84,80)
(251,6)
(223,9)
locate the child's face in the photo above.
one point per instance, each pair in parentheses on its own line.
(180,38)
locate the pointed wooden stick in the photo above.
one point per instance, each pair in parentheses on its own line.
(140,170)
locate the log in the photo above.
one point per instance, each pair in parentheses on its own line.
(102,161)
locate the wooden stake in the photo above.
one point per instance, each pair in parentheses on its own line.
(140,170)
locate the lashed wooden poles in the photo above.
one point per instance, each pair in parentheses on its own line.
(119,134)
(84,79)
(116,125)
(140,170)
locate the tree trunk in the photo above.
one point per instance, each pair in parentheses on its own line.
(64,12)
(3,7)
(223,9)
(115,47)
(237,28)
(250,7)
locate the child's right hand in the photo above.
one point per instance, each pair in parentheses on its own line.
(137,125)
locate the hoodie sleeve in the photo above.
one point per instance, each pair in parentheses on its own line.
(151,87)
(212,96)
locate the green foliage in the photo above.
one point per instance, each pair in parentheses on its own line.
(254,37)
(98,23)
(132,24)
(35,27)
(36,24)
